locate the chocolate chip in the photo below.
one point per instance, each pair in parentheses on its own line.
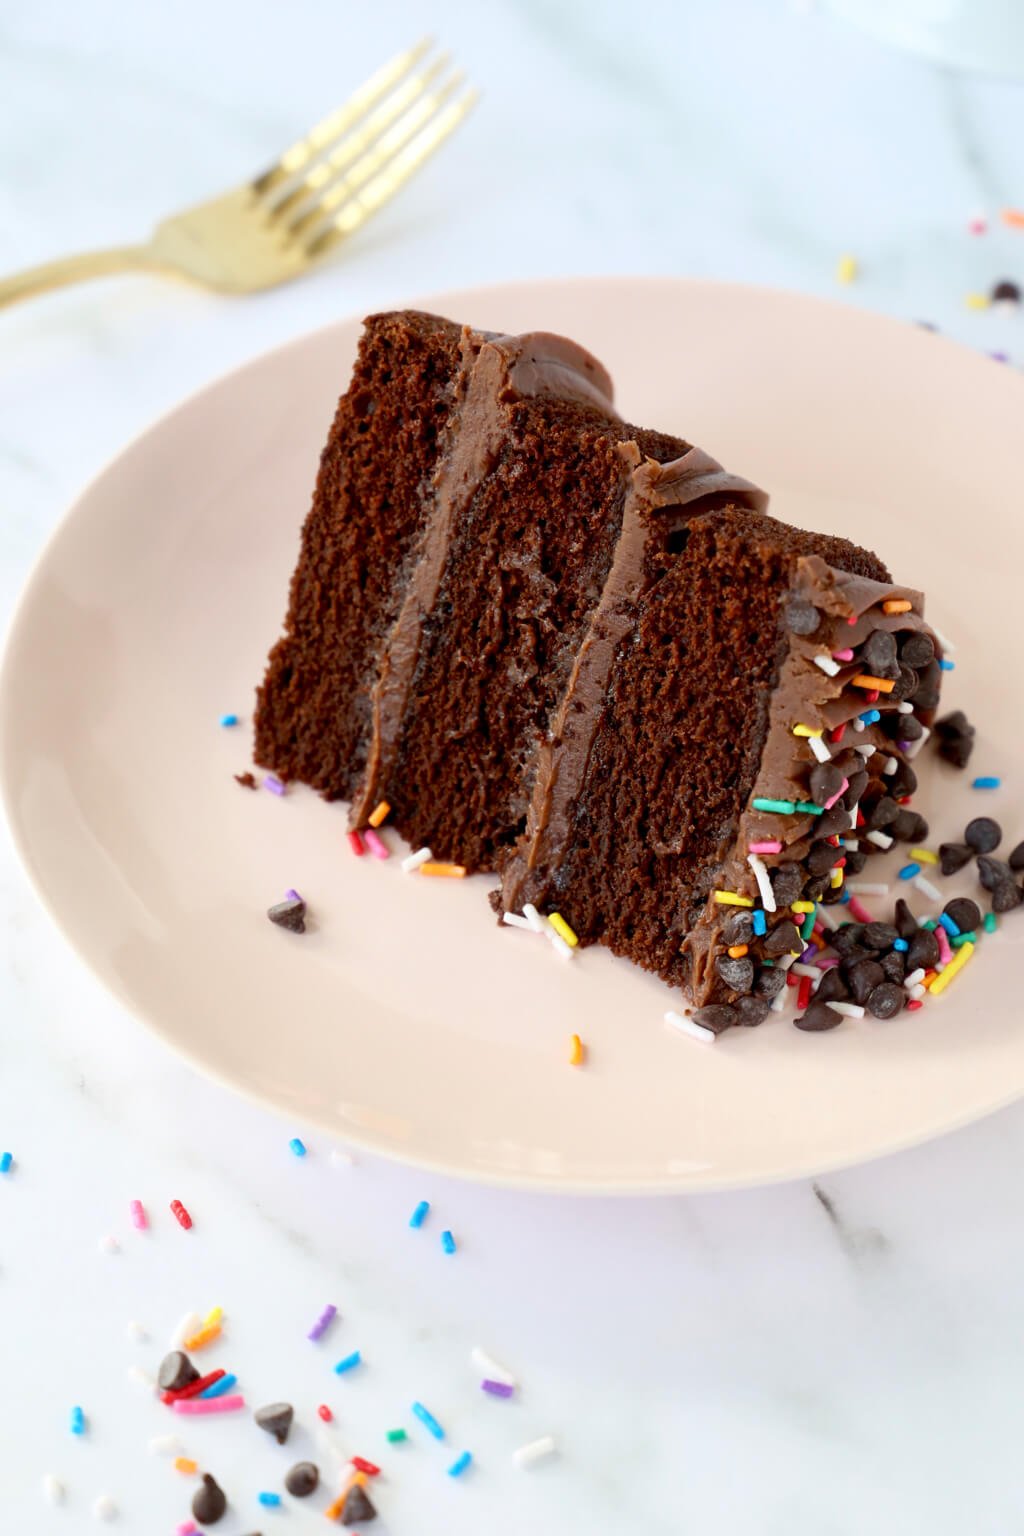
(964,912)
(290,914)
(176,1371)
(922,950)
(816,887)
(302,1479)
(823,857)
(856,858)
(832,822)
(909,827)
(770,982)
(893,966)
(882,814)
(208,1501)
(886,1000)
(862,978)
(787,884)
(847,938)
(1016,859)
(738,929)
(817,1017)
(905,685)
(879,936)
(993,872)
(276,1419)
(832,988)
(783,939)
(955,735)
(953,725)
(878,654)
(801,616)
(905,727)
(953,856)
(903,781)
(1005,292)
(858,784)
(716,1017)
(357,1506)
(829,897)
(752,1010)
(1006,896)
(957,751)
(737,974)
(904,919)
(983,834)
(926,695)
(826,780)
(916,649)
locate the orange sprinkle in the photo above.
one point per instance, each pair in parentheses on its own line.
(380,814)
(184,1464)
(880,684)
(450,871)
(333,1511)
(897,605)
(737,951)
(1014,217)
(203,1337)
(575,1051)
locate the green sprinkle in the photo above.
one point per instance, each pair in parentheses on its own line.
(780,807)
(930,924)
(396,1436)
(808,808)
(964,938)
(991,923)
(808,926)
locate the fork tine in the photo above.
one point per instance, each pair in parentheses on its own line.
(379,154)
(360,136)
(393,175)
(339,121)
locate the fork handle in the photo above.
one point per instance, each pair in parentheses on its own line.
(75,269)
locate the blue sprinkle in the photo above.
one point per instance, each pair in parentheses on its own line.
(460,1464)
(77,1421)
(427,1418)
(269,1500)
(986,782)
(6,1161)
(447,1242)
(218,1388)
(870,716)
(760,923)
(229,719)
(419,1215)
(844,898)
(908,872)
(349,1363)
(901,945)
(947,666)
(949,925)
(298,1146)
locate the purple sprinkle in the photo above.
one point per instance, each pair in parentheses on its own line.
(497,1388)
(809,954)
(273,783)
(1000,357)
(292,896)
(904,746)
(322,1323)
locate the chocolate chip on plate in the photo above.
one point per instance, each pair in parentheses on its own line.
(817,1017)
(276,1419)
(886,1000)
(290,914)
(922,950)
(783,939)
(176,1371)
(862,978)
(964,912)
(953,857)
(209,1501)
(357,1506)
(716,1017)
(1016,859)
(302,1479)
(983,834)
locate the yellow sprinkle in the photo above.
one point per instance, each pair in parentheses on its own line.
(880,684)
(380,814)
(730,899)
(924,856)
(449,871)
(959,960)
(897,605)
(977,301)
(184,1464)
(802,906)
(837,879)
(562,928)
(805,730)
(213,1316)
(575,1051)
(203,1337)
(737,951)
(846,271)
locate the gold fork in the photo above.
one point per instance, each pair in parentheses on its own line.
(326,185)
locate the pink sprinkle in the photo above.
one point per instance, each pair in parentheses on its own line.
(838,794)
(978,225)
(852,619)
(139,1218)
(771,846)
(844,655)
(827,963)
(187,1528)
(945,952)
(196,1405)
(356,843)
(376,845)
(273,783)
(859,911)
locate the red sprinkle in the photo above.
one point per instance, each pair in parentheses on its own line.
(180,1214)
(852,620)
(193,1389)
(839,732)
(840,863)
(871,695)
(803,995)
(860,818)
(356,843)
(915,1003)
(791,980)
(325,1413)
(362,1465)
(903,800)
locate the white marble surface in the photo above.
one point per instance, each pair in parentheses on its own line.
(781,1361)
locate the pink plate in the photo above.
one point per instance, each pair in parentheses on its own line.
(407,1021)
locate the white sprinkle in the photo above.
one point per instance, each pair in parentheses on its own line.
(848,1010)
(799,969)
(553,935)
(490,1368)
(53,1489)
(915,746)
(889,767)
(535,1451)
(330,1446)
(904,707)
(189,1324)
(764,885)
(827,665)
(109,1244)
(514,921)
(165,1445)
(136,1331)
(784,962)
(866,748)
(858,724)
(917,992)
(104,1507)
(688,1027)
(947,645)
(828,917)
(854,813)
(412,861)
(866,888)
(914,977)
(537,923)
(880,839)
(926,888)
(779,1001)
(820,749)
(341,1157)
(137,1375)
(852,842)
